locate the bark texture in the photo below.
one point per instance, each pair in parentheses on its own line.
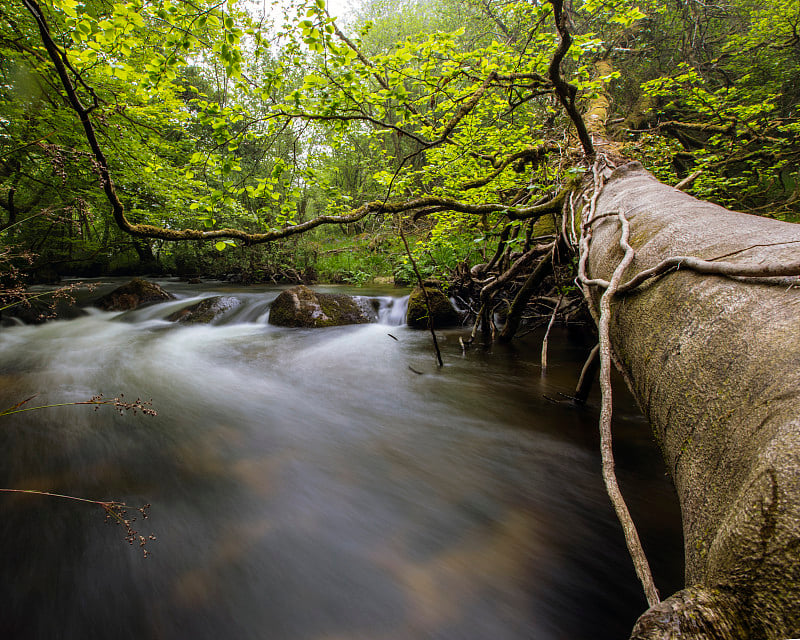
(714,363)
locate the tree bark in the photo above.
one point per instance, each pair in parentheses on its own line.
(714,363)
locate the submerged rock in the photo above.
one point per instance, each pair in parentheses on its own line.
(132,295)
(302,307)
(205,311)
(443,313)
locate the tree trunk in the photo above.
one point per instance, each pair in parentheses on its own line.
(714,363)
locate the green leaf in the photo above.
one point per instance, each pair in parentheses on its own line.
(67,6)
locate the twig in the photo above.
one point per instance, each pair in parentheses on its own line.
(602,318)
(424,294)
(547,333)
(565,91)
(118,403)
(588,373)
(688,180)
(115,512)
(586,231)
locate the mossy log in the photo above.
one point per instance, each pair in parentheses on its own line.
(714,363)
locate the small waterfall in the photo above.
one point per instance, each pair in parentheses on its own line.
(392,311)
(250,308)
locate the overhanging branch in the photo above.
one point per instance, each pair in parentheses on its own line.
(57,57)
(565,91)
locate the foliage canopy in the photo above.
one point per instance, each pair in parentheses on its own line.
(218,123)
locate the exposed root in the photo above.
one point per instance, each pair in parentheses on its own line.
(603,314)
(589,371)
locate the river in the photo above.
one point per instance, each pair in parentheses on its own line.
(324,484)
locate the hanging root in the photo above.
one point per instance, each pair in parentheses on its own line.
(602,316)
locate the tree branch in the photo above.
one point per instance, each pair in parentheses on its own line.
(531,154)
(118,210)
(566,92)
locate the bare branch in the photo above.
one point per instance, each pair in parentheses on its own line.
(688,180)
(531,154)
(566,92)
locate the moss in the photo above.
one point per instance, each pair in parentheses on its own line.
(302,307)
(698,612)
(132,295)
(544,226)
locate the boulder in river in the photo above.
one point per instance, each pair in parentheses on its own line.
(301,307)
(132,295)
(205,311)
(443,313)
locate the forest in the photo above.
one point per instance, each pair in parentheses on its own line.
(625,171)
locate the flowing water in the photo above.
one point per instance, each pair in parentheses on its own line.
(315,484)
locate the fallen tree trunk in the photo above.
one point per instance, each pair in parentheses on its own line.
(714,363)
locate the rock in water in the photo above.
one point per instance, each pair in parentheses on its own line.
(205,311)
(132,295)
(302,307)
(443,313)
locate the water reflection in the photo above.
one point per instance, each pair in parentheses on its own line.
(308,484)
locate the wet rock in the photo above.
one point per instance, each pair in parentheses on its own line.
(132,295)
(443,313)
(205,311)
(302,307)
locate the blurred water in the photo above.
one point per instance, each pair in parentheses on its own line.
(309,484)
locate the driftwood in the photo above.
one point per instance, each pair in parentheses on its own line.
(714,362)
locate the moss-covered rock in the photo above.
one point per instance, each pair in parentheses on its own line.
(302,307)
(132,295)
(205,311)
(443,313)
